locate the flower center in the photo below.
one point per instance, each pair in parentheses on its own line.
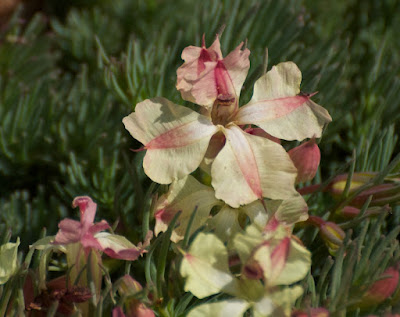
(223,108)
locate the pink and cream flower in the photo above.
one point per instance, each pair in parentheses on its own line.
(244,167)
(92,235)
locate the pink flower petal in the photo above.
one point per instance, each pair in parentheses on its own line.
(70,232)
(118,312)
(206,77)
(89,241)
(99,226)
(87,208)
(237,65)
(198,62)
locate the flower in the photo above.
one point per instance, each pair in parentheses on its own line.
(280,260)
(88,234)
(244,167)
(187,194)
(57,290)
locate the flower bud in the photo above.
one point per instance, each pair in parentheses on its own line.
(352,212)
(330,232)
(118,312)
(306,158)
(312,312)
(381,289)
(386,193)
(128,287)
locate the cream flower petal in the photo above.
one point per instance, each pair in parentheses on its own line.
(279,110)
(251,167)
(184,195)
(206,269)
(118,247)
(289,211)
(176,138)
(278,303)
(231,307)
(297,265)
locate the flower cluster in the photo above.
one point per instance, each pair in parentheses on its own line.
(252,176)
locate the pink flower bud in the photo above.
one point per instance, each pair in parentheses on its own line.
(306,158)
(386,193)
(382,289)
(118,312)
(352,212)
(330,232)
(128,288)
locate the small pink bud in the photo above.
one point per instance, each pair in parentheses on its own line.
(382,289)
(118,312)
(333,236)
(129,286)
(352,212)
(306,158)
